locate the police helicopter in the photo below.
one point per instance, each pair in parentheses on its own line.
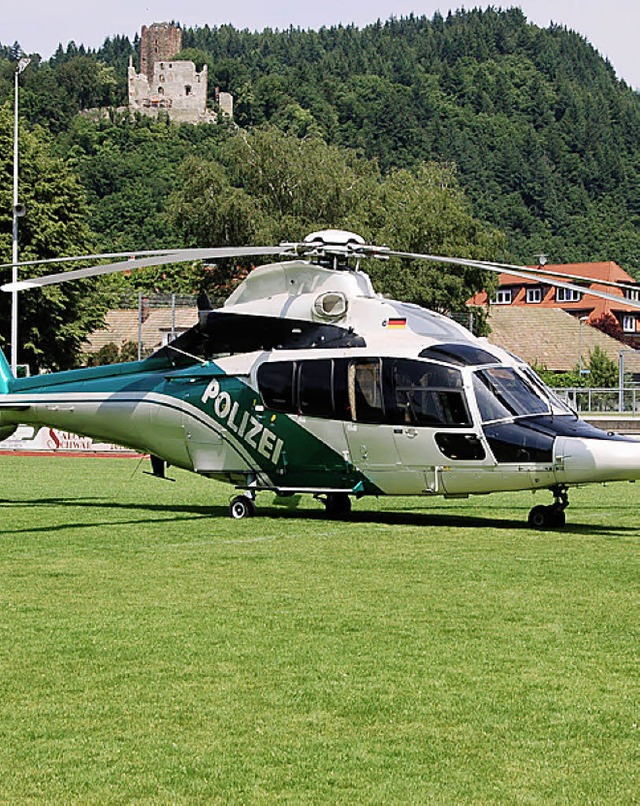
(308,381)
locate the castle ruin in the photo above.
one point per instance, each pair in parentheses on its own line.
(173,86)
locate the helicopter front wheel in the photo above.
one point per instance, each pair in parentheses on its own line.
(242,507)
(550,517)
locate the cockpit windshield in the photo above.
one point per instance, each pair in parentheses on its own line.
(503,393)
(557,405)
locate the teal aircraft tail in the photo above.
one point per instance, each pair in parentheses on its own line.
(6,376)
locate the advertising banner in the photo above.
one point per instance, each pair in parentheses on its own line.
(50,440)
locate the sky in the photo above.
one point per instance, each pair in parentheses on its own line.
(40,25)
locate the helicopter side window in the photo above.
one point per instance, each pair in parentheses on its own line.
(424,394)
(275,382)
(315,388)
(365,391)
(341,397)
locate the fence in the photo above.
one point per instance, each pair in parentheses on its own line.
(625,400)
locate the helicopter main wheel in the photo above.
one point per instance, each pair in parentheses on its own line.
(242,507)
(337,505)
(551,517)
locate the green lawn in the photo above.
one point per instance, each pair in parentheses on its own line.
(153,650)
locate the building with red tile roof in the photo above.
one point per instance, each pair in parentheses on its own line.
(536,294)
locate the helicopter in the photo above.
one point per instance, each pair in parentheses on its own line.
(306,381)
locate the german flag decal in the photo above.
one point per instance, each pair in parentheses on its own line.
(397,323)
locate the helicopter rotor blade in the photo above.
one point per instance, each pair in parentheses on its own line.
(179,256)
(98,256)
(520,272)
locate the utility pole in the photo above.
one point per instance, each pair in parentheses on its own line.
(18,212)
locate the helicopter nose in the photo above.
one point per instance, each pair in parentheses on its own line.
(586,460)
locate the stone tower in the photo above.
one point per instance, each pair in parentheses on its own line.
(174,87)
(160,42)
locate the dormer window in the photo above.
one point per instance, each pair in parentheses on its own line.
(503,296)
(568,295)
(534,294)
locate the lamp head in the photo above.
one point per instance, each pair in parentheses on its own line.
(24,62)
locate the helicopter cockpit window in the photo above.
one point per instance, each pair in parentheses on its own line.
(502,393)
(424,394)
(365,391)
(557,406)
(275,381)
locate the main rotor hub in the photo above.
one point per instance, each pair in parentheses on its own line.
(331,248)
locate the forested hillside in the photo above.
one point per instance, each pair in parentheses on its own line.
(546,140)
(508,127)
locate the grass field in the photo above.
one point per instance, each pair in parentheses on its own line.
(153,650)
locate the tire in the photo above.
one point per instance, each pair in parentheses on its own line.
(242,507)
(539,517)
(337,505)
(547,518)
(558,518)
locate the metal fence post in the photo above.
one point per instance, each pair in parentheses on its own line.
(139,325)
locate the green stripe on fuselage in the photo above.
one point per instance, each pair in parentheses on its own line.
(280,447)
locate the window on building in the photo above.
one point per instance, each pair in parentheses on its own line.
(632,294)
(160,90)
(567,295)
(187,89)
(629,324)
(503,296)
(534,294)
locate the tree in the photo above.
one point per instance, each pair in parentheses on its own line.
(603,371)
(608,324)
(268,186)
(54,320)
(427,212)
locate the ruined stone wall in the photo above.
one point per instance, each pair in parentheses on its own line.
(175,87)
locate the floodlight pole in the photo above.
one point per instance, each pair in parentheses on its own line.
(621,379)
(17,212)
(580,320)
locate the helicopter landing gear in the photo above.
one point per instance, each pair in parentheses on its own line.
(337,505)
(551,517)
(242,507)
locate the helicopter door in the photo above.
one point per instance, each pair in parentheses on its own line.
(208,450)
(427,405)
(370,440)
